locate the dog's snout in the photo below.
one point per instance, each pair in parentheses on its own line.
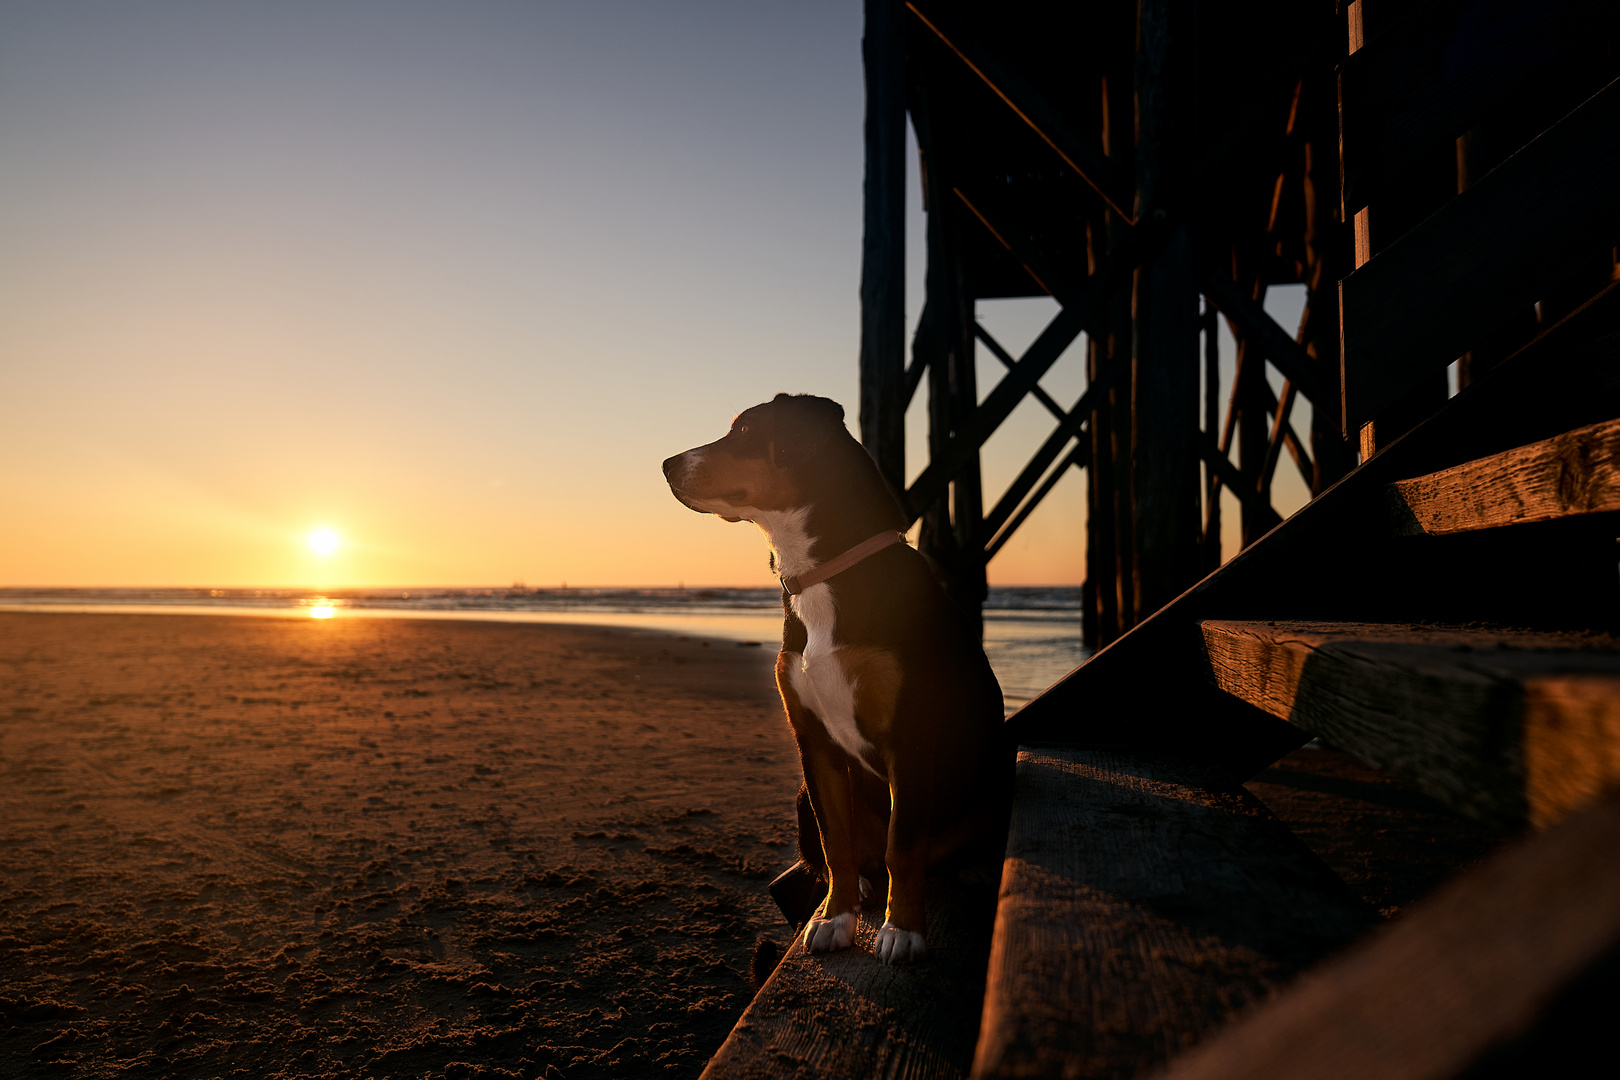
(670,465)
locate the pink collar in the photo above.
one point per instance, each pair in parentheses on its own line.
(797,583)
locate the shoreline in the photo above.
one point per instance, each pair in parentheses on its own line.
(381,847)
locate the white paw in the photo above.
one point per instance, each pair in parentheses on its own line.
(866,886)
(830,935)
(897,946)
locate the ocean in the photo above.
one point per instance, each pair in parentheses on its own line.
(1032,635)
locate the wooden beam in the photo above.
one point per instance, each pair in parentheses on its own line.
(949,459)
(1079,457)
(1164,475)
(1484,721)
(1037,465)
(884,388)
(1050,279)
(1274,445)
(1277,344)
(1437,72)
(1144,903)
(1450,987)
(1247,491)
(1425,299)
(1009,363)
(1085,156)
(1575,473)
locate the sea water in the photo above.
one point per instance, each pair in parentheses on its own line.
(1031,635)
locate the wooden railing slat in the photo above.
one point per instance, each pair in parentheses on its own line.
(1495,248)
(1434,74)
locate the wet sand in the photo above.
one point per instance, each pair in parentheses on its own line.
(256,847)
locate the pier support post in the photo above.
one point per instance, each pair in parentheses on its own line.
(883,252)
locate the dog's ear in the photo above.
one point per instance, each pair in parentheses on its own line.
(804,425)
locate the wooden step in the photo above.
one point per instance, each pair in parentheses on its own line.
(1571,475)
(1510,727)
(844,1015)
(1144,902)
(1511,970)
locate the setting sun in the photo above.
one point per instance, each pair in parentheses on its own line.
(324,541)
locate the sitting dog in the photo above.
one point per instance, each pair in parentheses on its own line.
(897,714)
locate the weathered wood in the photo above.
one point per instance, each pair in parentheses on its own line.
(1575,473)
(1037,465)
(1422,301)
(1081,154)
(948,459)
(1053,280)
(1212,424)
(1008,362)
(1434,74)
(1453,712)
(1144,902)
(1079,457)
(1458,977)
(950,510)
(1165,477)
(1276,344)
(884,389)
(1228,474)
(844,1016)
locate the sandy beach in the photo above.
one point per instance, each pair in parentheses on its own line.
(393,848)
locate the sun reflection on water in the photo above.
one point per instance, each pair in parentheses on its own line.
(320,607)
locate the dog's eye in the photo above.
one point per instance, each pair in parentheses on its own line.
(740,429)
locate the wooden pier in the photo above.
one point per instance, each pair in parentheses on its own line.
(1444,179)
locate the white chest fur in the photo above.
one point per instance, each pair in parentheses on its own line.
(819,679)
(815,674)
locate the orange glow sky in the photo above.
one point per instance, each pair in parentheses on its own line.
(448,279)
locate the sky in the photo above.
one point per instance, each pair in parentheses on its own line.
(446,280)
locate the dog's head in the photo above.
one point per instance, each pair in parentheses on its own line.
(763,463)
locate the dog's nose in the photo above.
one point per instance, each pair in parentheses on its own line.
(670,465)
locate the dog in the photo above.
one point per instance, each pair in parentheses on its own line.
(897,714)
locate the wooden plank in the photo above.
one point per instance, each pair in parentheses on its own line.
(1424,300)
(1085,156)
(884,390)
(1484,721)
(1079,457)
(1228,474)
(1439,71)
(1263,333)
(1456,980)
(1144,902)
(1009,363)
(1049,450)
(844,1015)
(950,459)
(1575,473)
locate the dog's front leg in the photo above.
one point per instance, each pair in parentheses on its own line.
(826,773)
(826,776)
(906,920)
